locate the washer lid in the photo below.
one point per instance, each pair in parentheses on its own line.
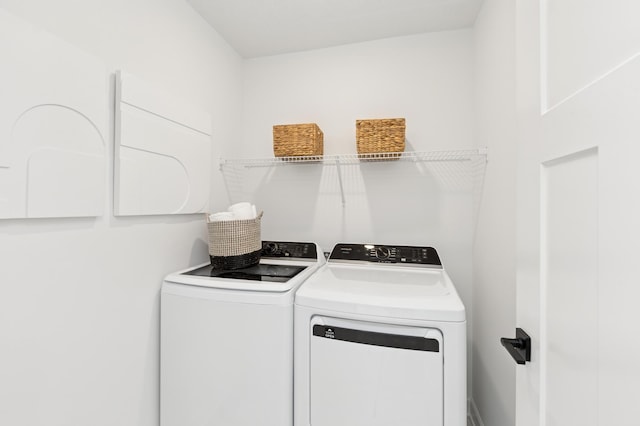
(386,291)
(261,272)
(283,266)
(248,282)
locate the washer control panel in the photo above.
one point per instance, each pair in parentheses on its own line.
(280,249)
(377,253)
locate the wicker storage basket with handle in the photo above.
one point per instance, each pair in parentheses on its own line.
(294,140)
(234,244)
(386,135)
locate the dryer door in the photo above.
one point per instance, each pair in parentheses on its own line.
(371,374)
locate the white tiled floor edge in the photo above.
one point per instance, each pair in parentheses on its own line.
(474,416)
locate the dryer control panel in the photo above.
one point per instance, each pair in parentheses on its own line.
(377,253)
(280,249)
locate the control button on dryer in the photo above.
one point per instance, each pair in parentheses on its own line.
(382,253)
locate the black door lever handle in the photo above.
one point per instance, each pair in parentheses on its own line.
(520,347)
(516,343)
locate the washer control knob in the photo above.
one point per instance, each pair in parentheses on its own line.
(271,248)
(382,253)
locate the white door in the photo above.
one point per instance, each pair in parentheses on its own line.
(578,69)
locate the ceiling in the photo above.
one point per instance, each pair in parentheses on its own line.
(270,27)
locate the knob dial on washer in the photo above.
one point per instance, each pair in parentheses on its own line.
(271,248)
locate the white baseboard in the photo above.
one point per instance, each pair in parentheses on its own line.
(474,415)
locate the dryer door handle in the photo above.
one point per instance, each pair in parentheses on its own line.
(520,347)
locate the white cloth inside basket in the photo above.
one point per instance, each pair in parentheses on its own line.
(220,216)
(238,211)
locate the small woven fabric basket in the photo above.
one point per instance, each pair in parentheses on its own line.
(294,140)
(234,244)
(386,135)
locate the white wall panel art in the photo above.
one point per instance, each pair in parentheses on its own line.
(163,149)
(53,115)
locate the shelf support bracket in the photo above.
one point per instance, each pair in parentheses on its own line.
(338,169)
(225,179)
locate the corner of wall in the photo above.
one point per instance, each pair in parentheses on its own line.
(474,415)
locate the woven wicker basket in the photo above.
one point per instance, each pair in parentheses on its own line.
(384,135)
(234,244)
(294,140)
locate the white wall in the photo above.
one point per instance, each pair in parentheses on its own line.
(428,79)
(80,297)
(425,78)
(494,277)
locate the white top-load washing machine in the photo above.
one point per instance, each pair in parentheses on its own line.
(226,343)
(380,340)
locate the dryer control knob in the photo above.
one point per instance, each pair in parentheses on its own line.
(382,253)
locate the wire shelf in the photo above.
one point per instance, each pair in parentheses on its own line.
(346,159)
(452,168)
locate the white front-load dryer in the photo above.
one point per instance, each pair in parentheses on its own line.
(380,340)
(226,340)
